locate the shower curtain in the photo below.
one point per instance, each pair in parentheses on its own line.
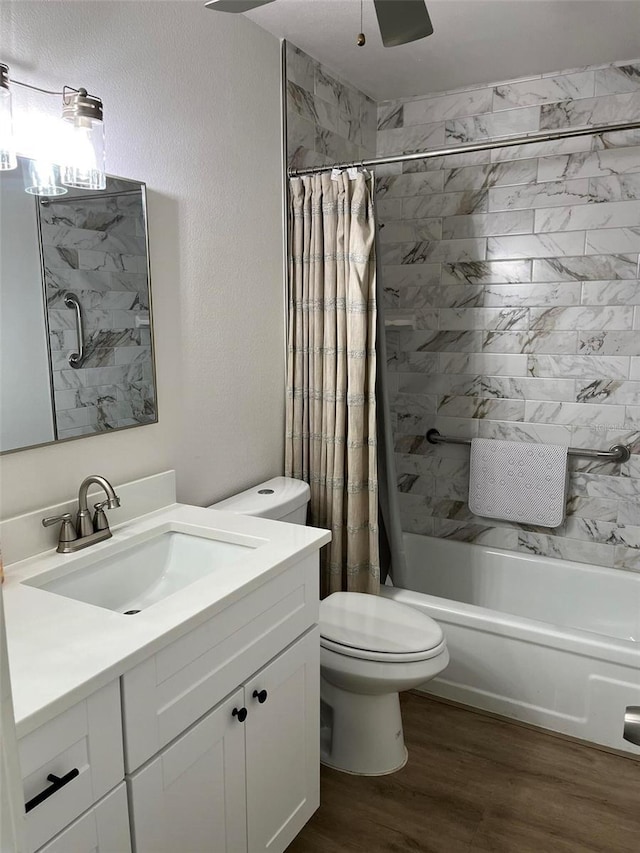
(331,371)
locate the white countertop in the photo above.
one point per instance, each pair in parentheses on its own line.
(62,650)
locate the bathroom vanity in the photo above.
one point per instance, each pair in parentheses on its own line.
(192,724)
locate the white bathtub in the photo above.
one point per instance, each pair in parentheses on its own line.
(544,641)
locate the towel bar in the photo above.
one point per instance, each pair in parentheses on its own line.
(616,453)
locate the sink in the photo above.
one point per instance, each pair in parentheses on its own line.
(137,577)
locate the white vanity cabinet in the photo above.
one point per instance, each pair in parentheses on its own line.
(210,744)
(236,784)
(222,726)
(68,765)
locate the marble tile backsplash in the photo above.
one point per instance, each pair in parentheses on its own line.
(512,301)
(96,248)
(328,120)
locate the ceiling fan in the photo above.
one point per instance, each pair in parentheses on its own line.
(400,21)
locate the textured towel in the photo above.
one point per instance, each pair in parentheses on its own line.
(518,481)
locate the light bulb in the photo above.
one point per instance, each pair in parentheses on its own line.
(84,160)
(40,178)
(82,167)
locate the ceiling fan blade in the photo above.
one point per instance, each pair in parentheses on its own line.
(235,5)
(402,21)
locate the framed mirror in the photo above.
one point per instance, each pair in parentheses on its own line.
(76,342)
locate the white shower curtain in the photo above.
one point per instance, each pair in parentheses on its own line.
(331,372)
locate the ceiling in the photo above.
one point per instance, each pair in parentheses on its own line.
(474,41)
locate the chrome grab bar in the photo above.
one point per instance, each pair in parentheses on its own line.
(631,730)
(72,301)
(616,453)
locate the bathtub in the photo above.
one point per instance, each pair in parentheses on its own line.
(547,642)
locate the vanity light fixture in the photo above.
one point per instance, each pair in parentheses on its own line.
(82,161)
(8,159)
(86,166)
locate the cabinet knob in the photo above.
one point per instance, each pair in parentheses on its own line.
(261,696)
(240,713)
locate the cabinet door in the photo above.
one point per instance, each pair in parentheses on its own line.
(192,796)
(282,736)
(103,829)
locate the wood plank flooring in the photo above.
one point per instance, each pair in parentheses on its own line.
(475,784)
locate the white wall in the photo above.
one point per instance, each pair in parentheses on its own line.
(192,106)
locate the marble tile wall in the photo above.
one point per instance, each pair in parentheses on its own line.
(328,120)
(512,301)
(96,248)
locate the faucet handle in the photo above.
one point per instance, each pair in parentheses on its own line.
(100,521)
(52,519)
(67,530)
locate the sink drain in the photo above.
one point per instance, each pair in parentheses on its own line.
(130,612)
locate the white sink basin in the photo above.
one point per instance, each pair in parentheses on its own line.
(137,577)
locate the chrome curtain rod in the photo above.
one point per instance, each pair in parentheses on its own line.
(45,202)
(468,148)
(616,453)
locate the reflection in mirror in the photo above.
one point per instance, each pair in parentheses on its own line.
(76,353)
(26,409)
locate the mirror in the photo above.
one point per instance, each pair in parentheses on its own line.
(76,343)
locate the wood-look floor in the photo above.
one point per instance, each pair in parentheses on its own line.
(476,783)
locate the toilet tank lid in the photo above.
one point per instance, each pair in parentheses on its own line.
(377,624)
(274,498)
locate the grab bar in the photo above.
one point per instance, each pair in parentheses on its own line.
(72,301)
(631,730)
(616,453)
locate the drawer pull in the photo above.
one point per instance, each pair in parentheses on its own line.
(57,782)
(260,696)
(240,714)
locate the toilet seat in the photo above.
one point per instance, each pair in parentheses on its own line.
(382,657)
(377,629)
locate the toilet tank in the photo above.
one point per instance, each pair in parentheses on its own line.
(281,498)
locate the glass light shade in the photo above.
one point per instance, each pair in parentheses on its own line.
(85,161)
(41,178)
(8,159)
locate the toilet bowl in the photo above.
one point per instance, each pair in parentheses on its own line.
(371,648)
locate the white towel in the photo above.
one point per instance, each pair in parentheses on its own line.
(517,481)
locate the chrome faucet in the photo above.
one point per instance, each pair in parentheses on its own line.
(84,524)
(87,530)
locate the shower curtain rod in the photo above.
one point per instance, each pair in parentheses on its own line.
(468,148)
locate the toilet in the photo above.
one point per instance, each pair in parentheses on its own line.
(281,498)
(371,648)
